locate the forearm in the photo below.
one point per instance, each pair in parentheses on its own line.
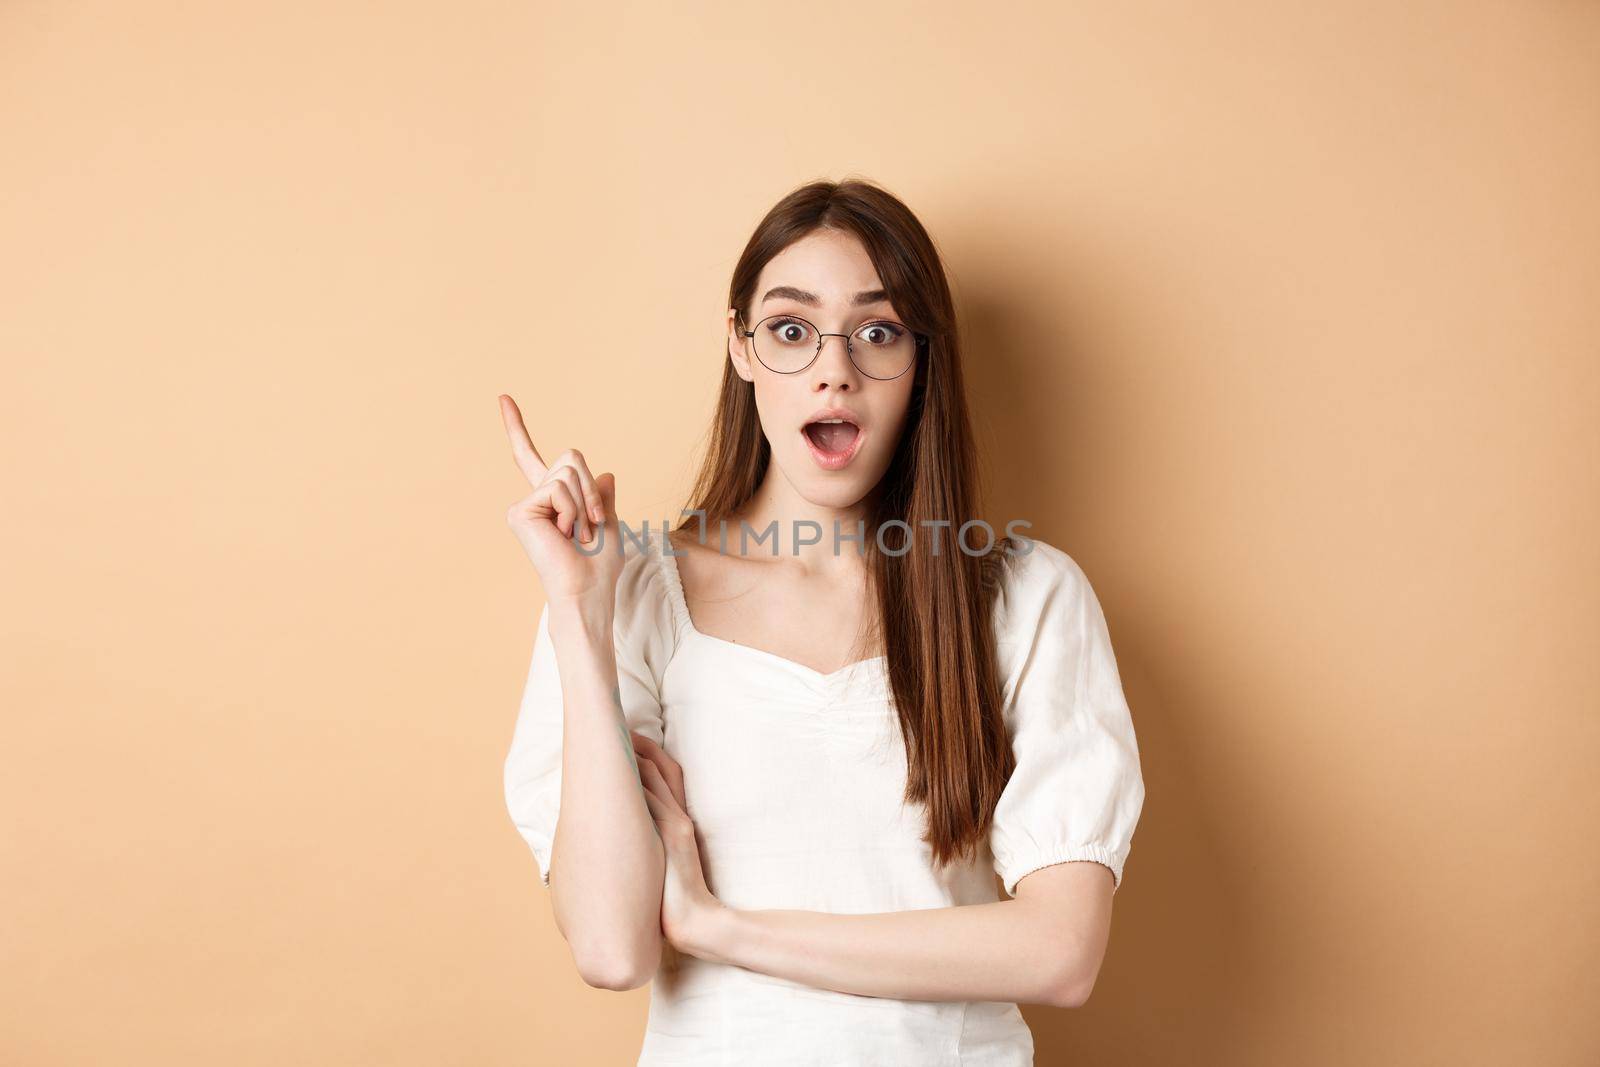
(607,861)
(1010,950)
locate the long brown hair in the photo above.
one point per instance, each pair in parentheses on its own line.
(934,610)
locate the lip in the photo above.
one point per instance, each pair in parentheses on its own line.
(832,413)
(828,461)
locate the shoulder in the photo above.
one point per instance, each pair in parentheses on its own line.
(645,618)
(1044,610)
(1033,578)
(641,578)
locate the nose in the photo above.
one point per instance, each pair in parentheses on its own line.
(833,365)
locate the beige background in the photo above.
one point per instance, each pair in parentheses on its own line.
(1282,322)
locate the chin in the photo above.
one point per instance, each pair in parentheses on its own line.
(832,489)
(835,496)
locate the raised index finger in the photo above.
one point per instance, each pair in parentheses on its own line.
(528,459)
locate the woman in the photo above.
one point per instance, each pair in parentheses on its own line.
(788,770)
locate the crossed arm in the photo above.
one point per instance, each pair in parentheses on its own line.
(1043,947)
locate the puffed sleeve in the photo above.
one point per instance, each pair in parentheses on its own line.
(1077,790)
(643,638)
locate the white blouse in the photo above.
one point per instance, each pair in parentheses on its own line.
(795,781)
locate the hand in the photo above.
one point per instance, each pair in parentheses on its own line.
(689,911)
(566,501)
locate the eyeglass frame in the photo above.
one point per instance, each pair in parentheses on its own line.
(921,340)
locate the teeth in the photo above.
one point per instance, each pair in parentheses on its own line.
(833,422)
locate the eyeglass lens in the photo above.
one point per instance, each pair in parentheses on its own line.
(881,348)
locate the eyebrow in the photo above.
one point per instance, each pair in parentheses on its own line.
(789,292)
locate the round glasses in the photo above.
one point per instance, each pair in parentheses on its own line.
(882,348)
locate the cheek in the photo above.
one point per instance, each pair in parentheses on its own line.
(778,412)
(894,412)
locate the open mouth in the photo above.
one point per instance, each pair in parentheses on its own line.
(832,441)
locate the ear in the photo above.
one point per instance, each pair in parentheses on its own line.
(739,347)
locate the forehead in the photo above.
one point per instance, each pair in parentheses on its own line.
(832,264)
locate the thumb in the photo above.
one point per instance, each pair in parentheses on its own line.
(607,484)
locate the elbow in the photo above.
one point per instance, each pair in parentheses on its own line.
(1071,989)
(611,950)
(1070,981)
(614,977)
(618,970)
(1072,994)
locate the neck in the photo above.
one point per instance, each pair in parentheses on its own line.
(775,503)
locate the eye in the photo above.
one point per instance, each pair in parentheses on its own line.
(881,333)
(789,331)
